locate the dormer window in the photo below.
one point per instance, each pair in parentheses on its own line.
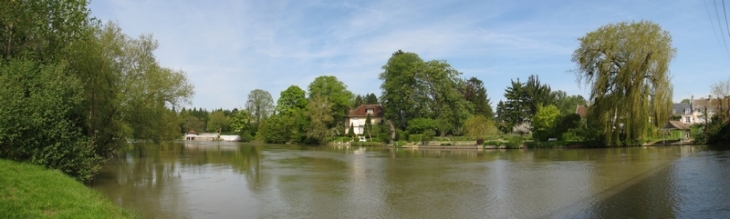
(674,111)
(687,111)
(370,111)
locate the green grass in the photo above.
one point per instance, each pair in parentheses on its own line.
(30,191)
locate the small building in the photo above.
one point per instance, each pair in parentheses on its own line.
(356,117)
(191,135)
(677,125)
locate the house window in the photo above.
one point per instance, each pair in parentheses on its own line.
(674,111)
(370,111)
(686,111)
(686,120)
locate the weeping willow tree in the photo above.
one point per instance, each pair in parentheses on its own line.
(627,67)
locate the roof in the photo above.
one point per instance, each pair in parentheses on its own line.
(678,108)
(676,125)
(362,111)
(701,104)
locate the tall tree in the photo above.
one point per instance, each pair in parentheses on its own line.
(371,99)
(516,108)
(357,101)
(336,93)
(400,88)
(291,99)
(476,94)
(41,29)
(414,89)
(536,94)
(291,106)
(721,91)
(259,104)
(319,111)
(627,66)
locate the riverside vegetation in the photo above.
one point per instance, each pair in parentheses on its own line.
(75,88)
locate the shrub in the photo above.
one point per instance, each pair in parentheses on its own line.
(415,138)
(38,125)
(428,135)
(420,125)
(513,143)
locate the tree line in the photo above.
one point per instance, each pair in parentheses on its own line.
(73,87)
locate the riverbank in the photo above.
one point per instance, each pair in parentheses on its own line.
(31,191)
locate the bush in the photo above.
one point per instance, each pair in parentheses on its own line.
(246,136)
(493,143)
(401,135)
(513,143)
(420,125)
(428,135)
(415,137)
(39,123)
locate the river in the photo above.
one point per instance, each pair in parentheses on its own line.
(240,180)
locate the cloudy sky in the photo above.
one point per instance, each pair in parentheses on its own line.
(228,48)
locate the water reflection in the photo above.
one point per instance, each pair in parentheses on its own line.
(233,180)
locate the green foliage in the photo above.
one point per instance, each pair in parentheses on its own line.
(476,94)
(627,67)
(514,110)
(39,103)
(544,122)
(420,125)
(319,112)
(479,127)
(246,136)
(567,104)
(523,100)
(337,95)
(415,137)
(218,122)
(366,144)
(291,99)
(275,130)
(260,104)
(371,99)
(401,135)
(428,135)
(240,121)
(41,30)
(351,131)
(413,89)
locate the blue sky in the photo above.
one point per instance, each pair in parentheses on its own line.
(228,48)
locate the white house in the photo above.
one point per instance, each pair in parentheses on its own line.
(357,117)
(694,111)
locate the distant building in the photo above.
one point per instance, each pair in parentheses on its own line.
(693,112)
(357,117)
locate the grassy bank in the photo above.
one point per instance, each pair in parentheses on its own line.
(30,191)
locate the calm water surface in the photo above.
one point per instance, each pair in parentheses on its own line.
(238,180)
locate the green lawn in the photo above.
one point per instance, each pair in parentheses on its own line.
(30,191)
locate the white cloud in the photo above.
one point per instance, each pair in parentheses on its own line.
(229,48)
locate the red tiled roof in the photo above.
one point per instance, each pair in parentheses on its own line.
(362,111)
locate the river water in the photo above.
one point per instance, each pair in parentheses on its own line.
(239,180)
